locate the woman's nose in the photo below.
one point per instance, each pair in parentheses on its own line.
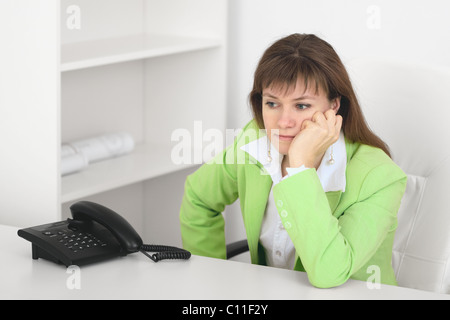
(287,119)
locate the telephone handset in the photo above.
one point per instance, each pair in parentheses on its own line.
(95,233)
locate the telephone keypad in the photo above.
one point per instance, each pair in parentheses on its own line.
(75,240)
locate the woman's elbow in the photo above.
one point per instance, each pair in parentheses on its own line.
(326,279)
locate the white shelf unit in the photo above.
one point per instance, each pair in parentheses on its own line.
(161,69)
(149,160)
(147,67)
(101,52)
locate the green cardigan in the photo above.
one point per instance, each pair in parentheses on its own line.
(337,235)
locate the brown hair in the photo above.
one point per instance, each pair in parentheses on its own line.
(315,60)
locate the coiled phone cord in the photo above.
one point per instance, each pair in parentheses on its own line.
(164,252)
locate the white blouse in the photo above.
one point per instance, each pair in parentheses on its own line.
(279,249)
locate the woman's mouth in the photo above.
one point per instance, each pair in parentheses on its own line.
(284,137)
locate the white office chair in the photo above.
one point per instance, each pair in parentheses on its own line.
(408,106)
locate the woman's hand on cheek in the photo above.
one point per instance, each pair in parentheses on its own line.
(315,137)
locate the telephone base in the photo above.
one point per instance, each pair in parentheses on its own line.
(37,252)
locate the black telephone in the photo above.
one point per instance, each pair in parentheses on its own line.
(95,233)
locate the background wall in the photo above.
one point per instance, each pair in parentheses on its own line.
(413,30)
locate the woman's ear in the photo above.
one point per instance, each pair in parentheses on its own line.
(336,104)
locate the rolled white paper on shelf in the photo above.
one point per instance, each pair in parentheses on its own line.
(72,163)
(105,146)
(99,148)
(67,150)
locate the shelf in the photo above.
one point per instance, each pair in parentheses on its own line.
(145,162)
(96,53)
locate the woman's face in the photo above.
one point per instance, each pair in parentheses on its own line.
(285,110)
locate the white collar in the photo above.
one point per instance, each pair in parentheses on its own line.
(331,176)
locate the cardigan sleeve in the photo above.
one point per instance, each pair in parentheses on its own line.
(333,248)
(207,192)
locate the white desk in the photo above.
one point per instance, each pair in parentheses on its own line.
(137,277)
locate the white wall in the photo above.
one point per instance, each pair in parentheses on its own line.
(413,30)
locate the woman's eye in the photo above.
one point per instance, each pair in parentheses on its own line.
(271,104)
(302,106)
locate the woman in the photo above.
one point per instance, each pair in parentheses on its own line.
(318,190)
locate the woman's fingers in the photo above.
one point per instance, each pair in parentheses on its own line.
(328,121)
(334,123)
(315,137)
(320,118)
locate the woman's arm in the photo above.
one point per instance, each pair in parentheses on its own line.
(207,192)
(332,249)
